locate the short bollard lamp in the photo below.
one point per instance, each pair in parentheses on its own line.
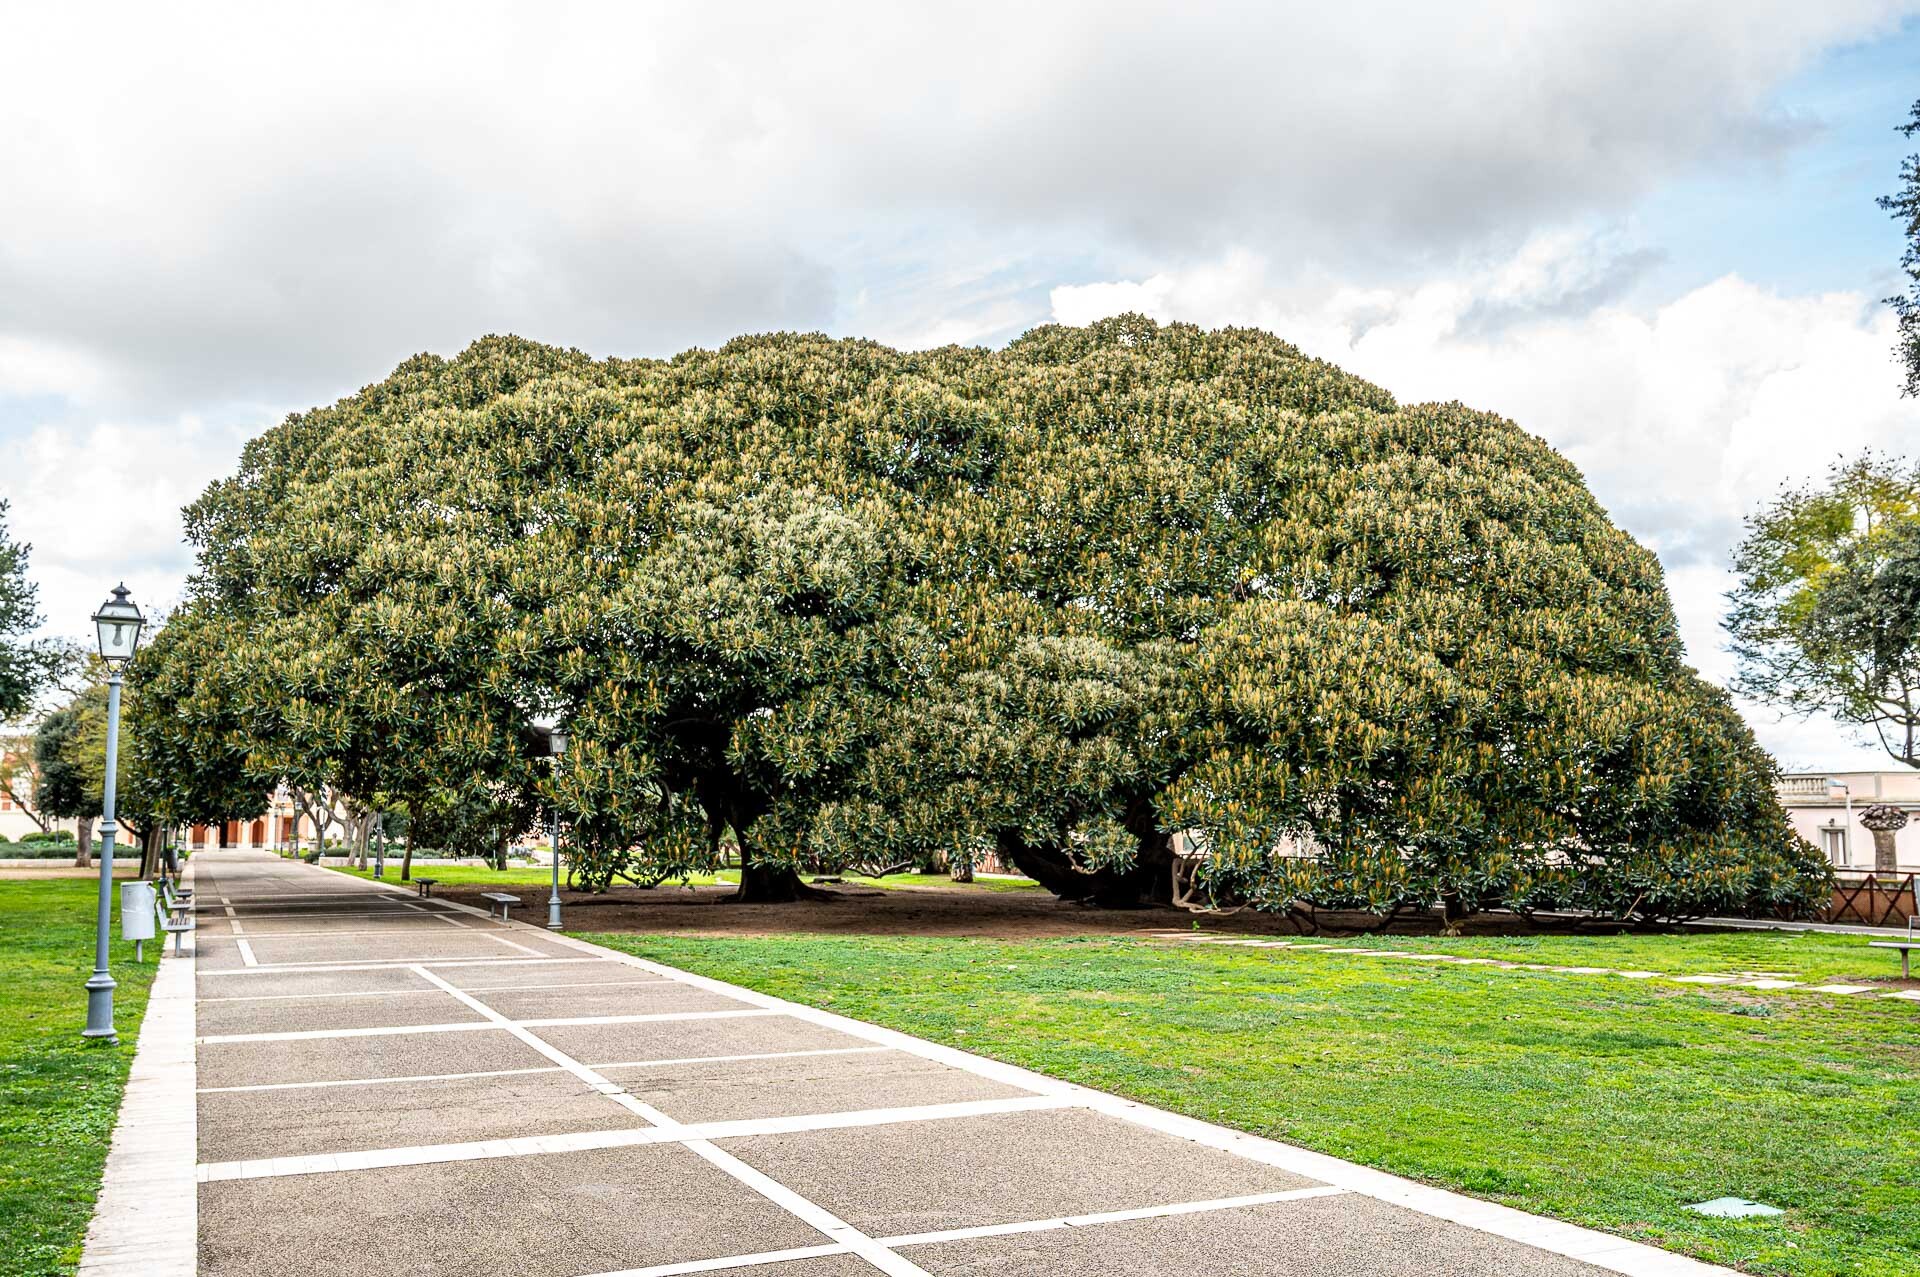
(556,746)
(118,624)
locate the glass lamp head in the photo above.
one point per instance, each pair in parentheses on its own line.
(118,624)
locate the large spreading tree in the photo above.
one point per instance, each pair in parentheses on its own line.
(1106,596)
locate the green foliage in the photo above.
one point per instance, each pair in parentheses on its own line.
(1826,615)
(1904,206)
(848,607)
(27,666)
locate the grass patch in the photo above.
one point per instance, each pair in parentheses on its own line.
(1792,955)
(58,1093)
(1605,1102)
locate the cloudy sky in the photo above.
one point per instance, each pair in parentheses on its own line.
(1644,231)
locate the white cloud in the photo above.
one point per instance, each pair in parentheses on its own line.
(1683,416)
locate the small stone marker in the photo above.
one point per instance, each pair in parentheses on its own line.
(1733,1208)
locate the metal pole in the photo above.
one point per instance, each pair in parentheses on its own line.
(100,987)
(553,901)
(1846,838)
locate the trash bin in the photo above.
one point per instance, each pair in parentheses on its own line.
(136,915)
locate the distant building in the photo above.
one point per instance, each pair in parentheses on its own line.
(1818,803)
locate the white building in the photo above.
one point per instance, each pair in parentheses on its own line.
(1825,809)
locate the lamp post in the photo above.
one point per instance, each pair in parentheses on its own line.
(1838,787)
(117,625)
(556,746)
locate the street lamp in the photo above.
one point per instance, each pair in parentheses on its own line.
(118,624)
(556,746)
(1838,788)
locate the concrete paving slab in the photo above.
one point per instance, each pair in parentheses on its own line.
(244,1125)
(479,979)
(819,1266)
(544,1216)
(422,945)
(597,1044)
(334,1059)
(305,983)
(1320,1237)
(643,999)
(327,925)
(430,1006)
(918,1177)
(742,1089)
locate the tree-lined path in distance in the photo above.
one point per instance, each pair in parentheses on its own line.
(388,1084)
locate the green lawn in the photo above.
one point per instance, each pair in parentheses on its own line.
(58,1093)
(1792,955)
(1607,1102)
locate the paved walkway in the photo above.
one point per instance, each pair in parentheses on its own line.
(386,1084)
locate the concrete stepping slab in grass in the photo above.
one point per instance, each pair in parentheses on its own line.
(1910,995)
(1842,989)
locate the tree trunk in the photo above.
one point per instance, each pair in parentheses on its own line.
(1885,861)
(406,860)
(763,883)
(83,845)
(1145,883)
(962,869)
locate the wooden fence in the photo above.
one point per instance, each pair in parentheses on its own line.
(1873,900)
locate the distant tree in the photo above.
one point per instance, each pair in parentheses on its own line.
(1826,615)
(19,778)
(27,666)
(1904,205)
(65,790)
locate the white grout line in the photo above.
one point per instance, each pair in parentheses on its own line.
(494,1020)
(731,1261)
(233,924)
(751,1055)
(616,1064)
(488,935)
(1114,1216)
(246,953)
(987,1230)
(576,984)
(856,1242)
(410,931)
(145,1219)
(612,1090)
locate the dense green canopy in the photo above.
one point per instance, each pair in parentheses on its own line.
(1064,600)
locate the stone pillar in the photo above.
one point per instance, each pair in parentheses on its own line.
(1885,820)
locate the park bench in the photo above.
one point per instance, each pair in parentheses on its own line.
(173,919)
(1904,946)
(500,898)
(425,885)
